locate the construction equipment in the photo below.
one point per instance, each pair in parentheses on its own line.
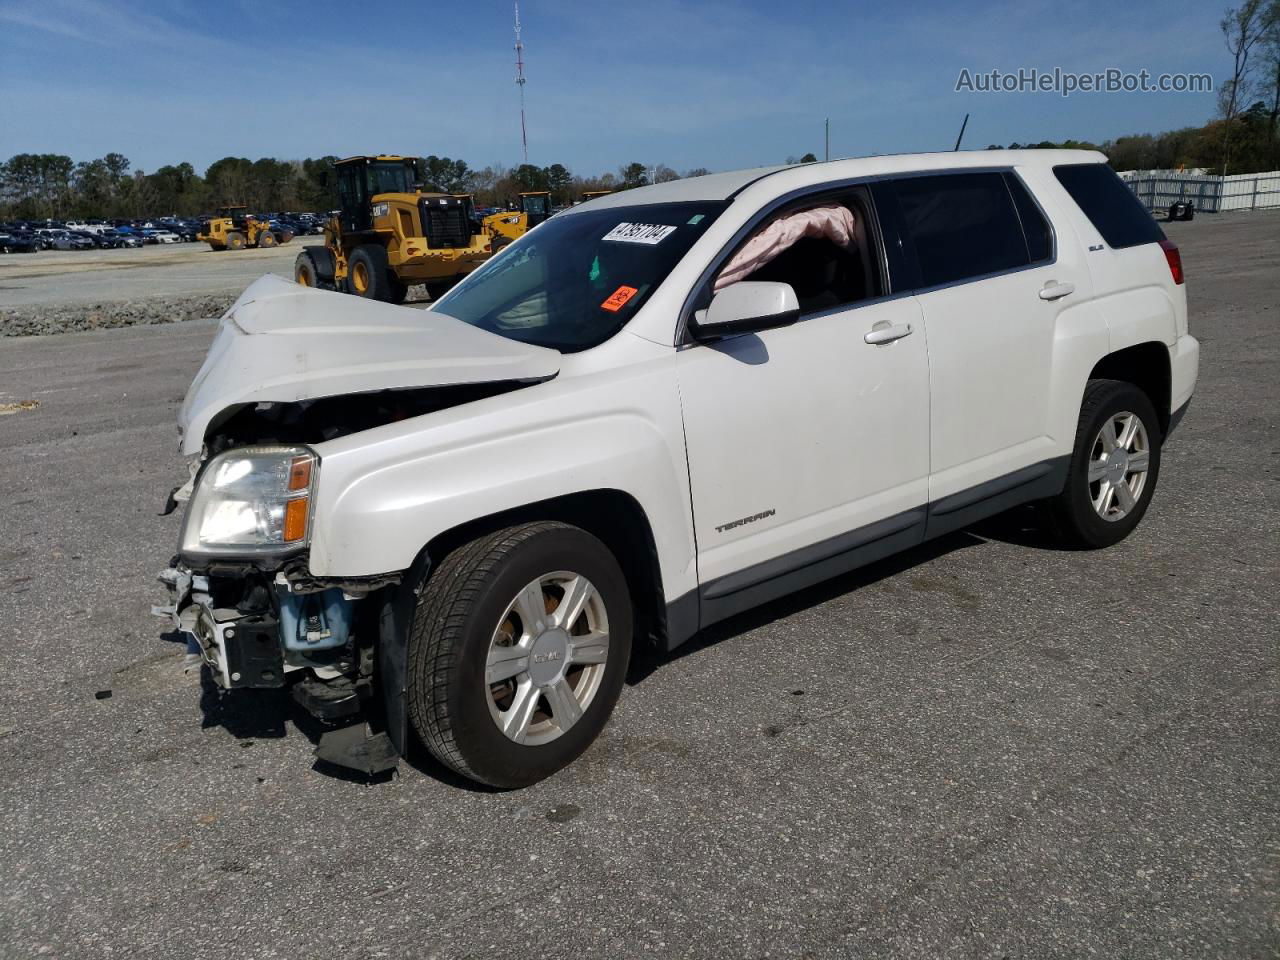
(234,229)
(388,235)
(535,207)
(592,194)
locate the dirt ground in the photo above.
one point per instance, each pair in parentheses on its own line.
(58,278)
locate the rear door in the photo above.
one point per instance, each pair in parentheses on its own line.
(994,288)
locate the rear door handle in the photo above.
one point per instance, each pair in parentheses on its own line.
(888,334)
(1053,290)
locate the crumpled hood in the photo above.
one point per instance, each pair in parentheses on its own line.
(281,342)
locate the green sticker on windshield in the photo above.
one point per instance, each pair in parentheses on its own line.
(695,219)
(595,270)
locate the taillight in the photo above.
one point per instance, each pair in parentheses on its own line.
(1175,259)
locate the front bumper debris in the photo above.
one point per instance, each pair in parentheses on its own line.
(251,649)
(242,650)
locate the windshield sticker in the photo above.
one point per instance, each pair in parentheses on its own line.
(618,299)
(647,233)
(696,219)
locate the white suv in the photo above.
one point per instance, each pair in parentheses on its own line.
(653,411)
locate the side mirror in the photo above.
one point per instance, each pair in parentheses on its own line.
(746,307)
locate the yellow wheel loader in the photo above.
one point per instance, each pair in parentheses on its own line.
(535,207)
(234,229)
(388,235)
(592,194)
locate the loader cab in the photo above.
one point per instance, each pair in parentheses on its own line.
(238,215)
(536,206)
(360,179)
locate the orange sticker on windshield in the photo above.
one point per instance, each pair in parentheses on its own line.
(618,299)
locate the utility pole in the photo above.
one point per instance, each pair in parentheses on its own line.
(524,136)
(826,133)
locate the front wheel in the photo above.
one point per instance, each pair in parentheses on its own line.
(1113,469)
(517,652)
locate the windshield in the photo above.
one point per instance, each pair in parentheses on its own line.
(390,178)
(536,204)
(577,279)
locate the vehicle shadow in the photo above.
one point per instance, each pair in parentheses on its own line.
(245,714)
(265,714)
(645,660)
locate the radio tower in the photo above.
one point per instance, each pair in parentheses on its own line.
(524,137)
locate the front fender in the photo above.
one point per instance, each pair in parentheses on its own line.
(385,494)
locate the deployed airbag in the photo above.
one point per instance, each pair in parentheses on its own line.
(835,223)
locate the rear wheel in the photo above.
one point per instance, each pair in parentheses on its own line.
(235,240)
(517,652)
(1113,469)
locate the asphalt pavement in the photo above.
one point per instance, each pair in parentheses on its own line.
(984,748)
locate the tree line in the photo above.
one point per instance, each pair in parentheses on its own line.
(1247,143)
(46,185)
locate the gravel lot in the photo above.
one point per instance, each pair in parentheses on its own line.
(984,748)
(61,291)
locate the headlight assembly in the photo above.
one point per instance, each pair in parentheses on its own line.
(252,501)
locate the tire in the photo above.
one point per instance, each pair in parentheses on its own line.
(438,288)
(1077,512)
(266,239)
(304,271)
(396,290)
(369,273)
(235,240)
(463,609)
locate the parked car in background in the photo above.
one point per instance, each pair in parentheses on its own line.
(94,240)
(129,239)
(165,235)
(52,239)
(14,240)
(283,230)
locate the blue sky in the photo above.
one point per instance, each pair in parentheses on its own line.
(682,82)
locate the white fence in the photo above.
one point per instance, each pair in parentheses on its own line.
(1248,191)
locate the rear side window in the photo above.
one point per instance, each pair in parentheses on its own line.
(1110,205)
(1034,226)
(962,225)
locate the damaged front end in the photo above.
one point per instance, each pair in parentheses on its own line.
(259,627)
(290,369)
(241,590)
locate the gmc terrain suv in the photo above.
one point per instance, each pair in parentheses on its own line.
(655,410)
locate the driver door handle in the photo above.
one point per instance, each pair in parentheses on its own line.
(1053,290)
(888,334)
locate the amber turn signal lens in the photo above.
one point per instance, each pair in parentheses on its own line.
(295,519)
(300,473)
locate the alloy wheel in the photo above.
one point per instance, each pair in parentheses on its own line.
(547,658)
(1118,465)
